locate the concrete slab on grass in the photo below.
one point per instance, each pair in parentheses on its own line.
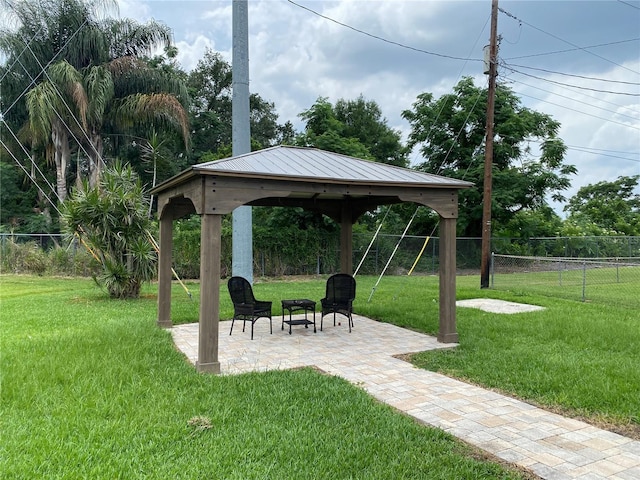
(497,306)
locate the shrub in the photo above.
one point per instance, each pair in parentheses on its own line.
(23,258)
(112,219)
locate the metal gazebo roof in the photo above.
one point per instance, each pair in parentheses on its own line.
(313,164)
(309,178)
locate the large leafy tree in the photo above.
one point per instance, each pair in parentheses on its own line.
(362,119)
(324,131)
(352,127)
(210,87)
(85,75)
(541,222)
(613,207)
(528,161)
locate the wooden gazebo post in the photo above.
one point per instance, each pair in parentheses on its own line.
(164,270)
(209,325)
(447,332)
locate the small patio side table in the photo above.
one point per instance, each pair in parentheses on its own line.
(305,305)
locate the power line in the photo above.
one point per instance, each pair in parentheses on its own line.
(600,154)
(565,41)
(605,150)
(391,42)
(583,103)
(513,69)
(577,76)
(571,86)
(573,49)
(591,99)
(578,111)
(520,66)
(629,4)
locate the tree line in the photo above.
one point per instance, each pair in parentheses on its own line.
(83,93)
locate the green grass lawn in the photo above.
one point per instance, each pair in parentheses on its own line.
(92,388)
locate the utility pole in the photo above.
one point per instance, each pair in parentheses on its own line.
(242,235)
(488,150)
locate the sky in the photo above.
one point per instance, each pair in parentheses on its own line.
(578,61)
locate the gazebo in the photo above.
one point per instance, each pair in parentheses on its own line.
(339,186)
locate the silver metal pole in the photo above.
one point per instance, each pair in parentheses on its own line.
(242,251)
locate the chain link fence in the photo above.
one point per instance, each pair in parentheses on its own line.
(603,280)
(583,268)
(416,254)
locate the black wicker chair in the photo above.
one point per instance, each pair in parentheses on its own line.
(245,305)
(341,291)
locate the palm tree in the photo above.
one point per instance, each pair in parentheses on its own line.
(50,115)
(98,85)
(85,74)
(125,94)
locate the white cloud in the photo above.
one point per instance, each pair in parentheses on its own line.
(190,52)
(601,130)
(137,10)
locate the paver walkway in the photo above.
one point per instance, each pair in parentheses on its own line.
(552,446)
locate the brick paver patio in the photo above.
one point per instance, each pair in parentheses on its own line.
(552,446)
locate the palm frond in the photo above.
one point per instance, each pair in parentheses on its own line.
(132,75)
(99,88)
(130,38)
(102,8)
(69,80)
(42,102)
(158,108)
(124,64)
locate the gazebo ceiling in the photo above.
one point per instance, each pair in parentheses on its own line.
(313,179)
